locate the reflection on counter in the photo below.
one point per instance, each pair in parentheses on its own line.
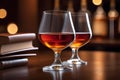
(100,65)
(56,75)
(18,73)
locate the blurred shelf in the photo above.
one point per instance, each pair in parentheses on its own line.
(106,45)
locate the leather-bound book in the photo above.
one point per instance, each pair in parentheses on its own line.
(6,38)
(16,47)
(13,63)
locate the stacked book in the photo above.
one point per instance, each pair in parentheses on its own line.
(16,48)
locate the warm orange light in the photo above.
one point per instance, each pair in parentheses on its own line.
(12,28)
(3,13)
(97,2)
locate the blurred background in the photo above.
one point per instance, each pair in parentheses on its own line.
(18,16)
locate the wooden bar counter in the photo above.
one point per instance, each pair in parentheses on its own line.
(102,65)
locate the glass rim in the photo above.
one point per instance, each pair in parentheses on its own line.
(78,13)
(55,11)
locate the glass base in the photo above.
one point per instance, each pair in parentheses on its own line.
(76,62)
(56,67)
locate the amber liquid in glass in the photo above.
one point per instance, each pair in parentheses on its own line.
(81,39)
(56,41)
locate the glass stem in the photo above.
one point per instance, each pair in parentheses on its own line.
(75,53)
(57,60)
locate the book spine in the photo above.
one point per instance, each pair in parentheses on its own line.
(22,37)
(20,50)
(16,56)
(6,38)
(13,63)
(16,46)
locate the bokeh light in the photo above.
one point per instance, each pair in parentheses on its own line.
(3,13)
(12,28)
(97,2)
